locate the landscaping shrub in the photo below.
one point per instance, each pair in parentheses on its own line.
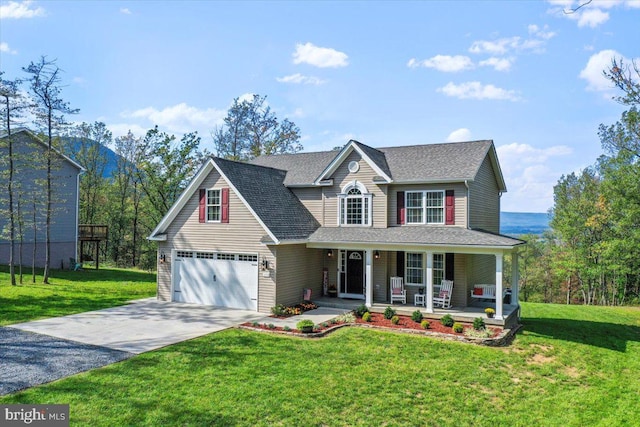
(361,310)
(347,317)
(366,317)
(389,313)
(304,324)
(278,310)
(447,320)
(395,320)
(478,324)
(325,325)
(425,324)
(458,328)
(286,328)
(255,324)
(271,326)
(416,316)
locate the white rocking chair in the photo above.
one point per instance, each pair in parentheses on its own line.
(443,299)
(398,292)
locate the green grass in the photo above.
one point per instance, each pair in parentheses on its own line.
(571,366)
(70,292)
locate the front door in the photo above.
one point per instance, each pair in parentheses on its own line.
(354,277)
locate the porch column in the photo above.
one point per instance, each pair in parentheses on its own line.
(515,278)
(368,278)
(429,284)
(499,286)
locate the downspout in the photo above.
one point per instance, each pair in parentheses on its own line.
(466,184)
(77,212)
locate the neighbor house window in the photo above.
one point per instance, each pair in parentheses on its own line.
(354,205)
(415,269)
(424,207)
(213,205)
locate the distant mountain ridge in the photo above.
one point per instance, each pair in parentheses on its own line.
(74,144)
(518,223)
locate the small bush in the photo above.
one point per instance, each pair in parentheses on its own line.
(278,310)
(304,323)
(255,324)
(271,326)
(484,333)
(366,317)
(286,328)
(478,324)
(361,310)
(395,320)
(333,321)
(389,313)
(416,316)
(447,320)
(347,318)
(425,324)
(325,325)
(458,328)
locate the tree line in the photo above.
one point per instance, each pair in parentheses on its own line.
(591,255)
(150,171)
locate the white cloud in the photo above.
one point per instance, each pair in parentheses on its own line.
(495,47)
(538,37)
(445,63)
(591,14)
(323,57)
(530,175)
(591,18)
(592,72)
(499,64)
(17,10)
(476,90)
(121,129)
(180,118)
(4,48)
(125,11)
(301,79)
(459,135)
(542,33)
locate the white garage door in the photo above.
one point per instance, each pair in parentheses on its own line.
(222,279)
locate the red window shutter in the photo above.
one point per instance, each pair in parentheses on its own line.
(400,212)
(202,208)
(225,205)
(450,207)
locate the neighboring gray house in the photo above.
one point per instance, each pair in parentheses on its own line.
(253,235)
(30,193)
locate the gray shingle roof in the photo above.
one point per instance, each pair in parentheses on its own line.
(456,161)
(263,189)
(419,235)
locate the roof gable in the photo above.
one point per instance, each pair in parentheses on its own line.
(373,157)
(261,190)
(23,132)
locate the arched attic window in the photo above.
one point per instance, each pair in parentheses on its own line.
(354,208)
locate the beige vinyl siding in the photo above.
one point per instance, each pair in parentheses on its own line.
(297,268)
(459,297)
(459,191)
(484,199)
(481,269)
(164,273)
(342,177)
(312,199)
(242,234)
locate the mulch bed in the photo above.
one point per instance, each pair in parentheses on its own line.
(377,321)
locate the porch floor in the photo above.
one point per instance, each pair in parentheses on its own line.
(459,314)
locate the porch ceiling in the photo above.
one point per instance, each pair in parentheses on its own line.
(412,236)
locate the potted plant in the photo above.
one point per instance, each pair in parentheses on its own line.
(332,291)
(305,326)
(490,312)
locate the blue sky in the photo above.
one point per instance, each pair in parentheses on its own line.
(524,74)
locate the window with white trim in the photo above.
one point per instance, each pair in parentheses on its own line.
(424,207)
(354,206)
(414,270)
(213,205)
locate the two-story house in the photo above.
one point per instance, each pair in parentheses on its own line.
(253,235)
(30,202)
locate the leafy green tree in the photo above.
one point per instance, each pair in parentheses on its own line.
(251,129)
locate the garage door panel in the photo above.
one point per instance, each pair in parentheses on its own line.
(221,282)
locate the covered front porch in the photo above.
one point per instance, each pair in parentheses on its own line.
(361,270)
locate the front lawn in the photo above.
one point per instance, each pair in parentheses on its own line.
(571,366)
(70,292)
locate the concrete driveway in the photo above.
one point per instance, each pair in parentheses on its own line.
(142,326)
